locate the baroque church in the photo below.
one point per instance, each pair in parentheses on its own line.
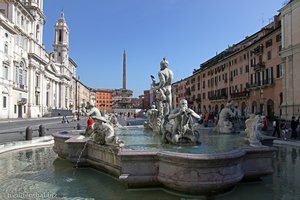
(33,81)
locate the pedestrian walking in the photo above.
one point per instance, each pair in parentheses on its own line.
(276,128)
(294,126)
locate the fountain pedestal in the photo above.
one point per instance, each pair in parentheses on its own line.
(206,173)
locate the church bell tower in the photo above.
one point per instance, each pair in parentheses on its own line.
(61,41)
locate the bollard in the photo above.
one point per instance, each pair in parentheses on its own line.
(28,133)
(78,126)
(42,131)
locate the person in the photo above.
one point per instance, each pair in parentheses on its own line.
(276,128)
(90,121)
(294,125)
(284,129)
(74,118)
(165,77)
(65,120)
(264,122)
(200,121)
(206,116)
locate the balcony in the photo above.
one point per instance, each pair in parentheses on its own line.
(218,97)
(263,83)
(238,95)
(258,50)
(259,66)
(188,92)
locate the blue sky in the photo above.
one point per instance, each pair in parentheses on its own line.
(187,32)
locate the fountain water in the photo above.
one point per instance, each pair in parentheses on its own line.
(27,174)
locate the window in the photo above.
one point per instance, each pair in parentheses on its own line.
(269,55)
(47,98)
(37,80)
(279,71)
(269,75)
(59,36)
(5,72)
(269,43)
(260,77)
(6,47)
(253,79)
(278,37)
(20,76)
(4,101)
(37,99)
(21,71)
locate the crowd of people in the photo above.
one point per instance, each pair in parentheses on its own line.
(281,128)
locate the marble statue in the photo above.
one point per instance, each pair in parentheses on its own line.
(93,110)
(153,119)
(101,131)
(113,120)
(180,126)
(224,124)
(162,107)
(165,76)
(254,130)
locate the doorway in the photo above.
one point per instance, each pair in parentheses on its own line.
(20,111)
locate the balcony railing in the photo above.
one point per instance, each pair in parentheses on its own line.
(198,99)
(259,66)
(188,92)
(218,97)
(258,50)
(263,83)
(237,95)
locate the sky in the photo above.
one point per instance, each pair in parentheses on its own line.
(186,32)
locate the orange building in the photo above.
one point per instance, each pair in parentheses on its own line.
(103,98)
(249,73)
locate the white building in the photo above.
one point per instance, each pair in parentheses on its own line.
(33,81)
(290,54)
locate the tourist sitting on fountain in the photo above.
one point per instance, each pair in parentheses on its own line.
(182,129)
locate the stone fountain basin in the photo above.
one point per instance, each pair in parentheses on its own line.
(208,173)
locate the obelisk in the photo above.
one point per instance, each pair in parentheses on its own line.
(124,70)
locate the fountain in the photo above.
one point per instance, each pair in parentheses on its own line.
(178,154)
(26,173)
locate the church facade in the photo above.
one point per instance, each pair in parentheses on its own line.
(33,81)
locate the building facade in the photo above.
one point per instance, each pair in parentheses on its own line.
(290,54)
(249,73)
(104,98)
(33,82)
(82,95)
